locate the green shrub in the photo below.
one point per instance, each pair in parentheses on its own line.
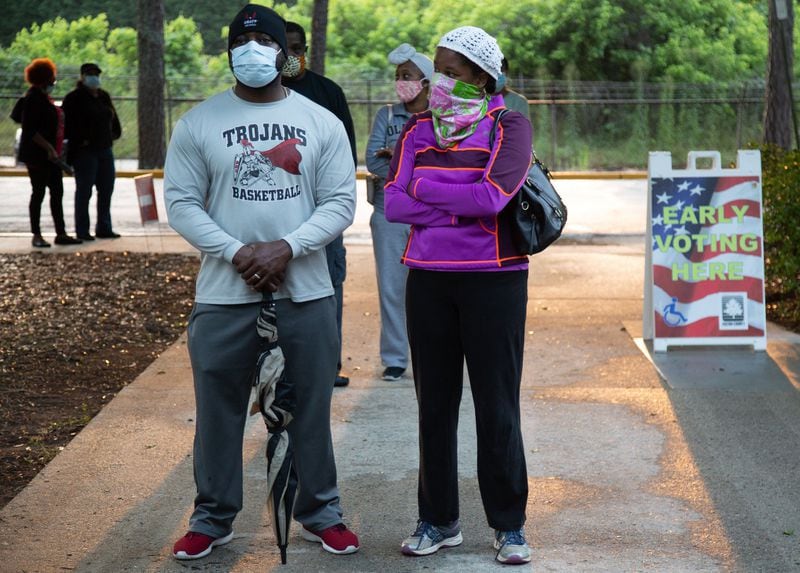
(781,187)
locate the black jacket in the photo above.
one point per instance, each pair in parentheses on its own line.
(91,121)
(39,115)
(327,93)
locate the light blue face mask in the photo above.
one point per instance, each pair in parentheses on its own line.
(501,82)
(91,81)
(254,64)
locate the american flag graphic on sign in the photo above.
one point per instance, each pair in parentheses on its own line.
(708,272)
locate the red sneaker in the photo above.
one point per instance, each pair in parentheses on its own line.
(195,545)
(335,539)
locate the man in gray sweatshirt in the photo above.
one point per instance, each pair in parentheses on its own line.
(259,180)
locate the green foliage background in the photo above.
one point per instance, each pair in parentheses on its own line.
(781,182)
(662,43)
(614,40)
(659,42)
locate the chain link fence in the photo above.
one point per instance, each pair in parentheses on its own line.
(577,125)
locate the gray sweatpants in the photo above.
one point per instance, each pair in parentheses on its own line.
(388,243)
(223,347)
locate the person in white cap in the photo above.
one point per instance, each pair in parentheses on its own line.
(412,82)
(467,289)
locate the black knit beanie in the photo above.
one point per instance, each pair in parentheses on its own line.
(255,18)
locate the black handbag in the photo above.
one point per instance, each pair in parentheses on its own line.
(536,215)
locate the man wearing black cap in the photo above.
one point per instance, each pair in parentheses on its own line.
(91,126)
(259,179)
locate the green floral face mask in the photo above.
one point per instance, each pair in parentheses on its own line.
(457,107)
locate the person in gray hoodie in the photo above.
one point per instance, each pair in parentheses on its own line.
(412,79)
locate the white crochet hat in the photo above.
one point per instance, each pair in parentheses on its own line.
(477,46)
(406,53)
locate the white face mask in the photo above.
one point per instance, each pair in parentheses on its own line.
(254,64)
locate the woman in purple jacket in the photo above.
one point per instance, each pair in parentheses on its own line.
(466,293)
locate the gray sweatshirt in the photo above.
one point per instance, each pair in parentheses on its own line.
(238,172)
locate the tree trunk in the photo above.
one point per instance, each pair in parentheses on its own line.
(319,36)
(778,118)
(150,36)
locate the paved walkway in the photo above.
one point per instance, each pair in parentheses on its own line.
(683,462)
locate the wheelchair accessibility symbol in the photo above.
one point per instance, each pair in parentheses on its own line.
(673,317)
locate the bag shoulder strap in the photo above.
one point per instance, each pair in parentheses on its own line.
(500,114)
(389,118)
(497,119)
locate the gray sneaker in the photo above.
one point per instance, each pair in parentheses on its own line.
(428,538)
(512,549)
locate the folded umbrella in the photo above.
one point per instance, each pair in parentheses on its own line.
(275,400)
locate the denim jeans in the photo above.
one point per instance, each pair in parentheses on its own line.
(93,168)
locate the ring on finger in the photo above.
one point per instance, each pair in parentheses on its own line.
(257,276)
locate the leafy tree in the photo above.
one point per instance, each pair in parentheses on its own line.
(781,176)
(122,56)
(687,41)
(183,48)
(115,50)
(121,13)
(23,14)
(68,43)
(692,40)
(210,17)
(363,32)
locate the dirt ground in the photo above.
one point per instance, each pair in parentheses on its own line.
(74,330)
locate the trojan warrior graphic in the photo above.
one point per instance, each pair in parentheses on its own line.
(252,166)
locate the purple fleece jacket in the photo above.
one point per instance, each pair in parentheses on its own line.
(452,197)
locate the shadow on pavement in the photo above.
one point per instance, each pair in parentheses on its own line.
(739,412)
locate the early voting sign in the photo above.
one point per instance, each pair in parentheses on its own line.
(704,277)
